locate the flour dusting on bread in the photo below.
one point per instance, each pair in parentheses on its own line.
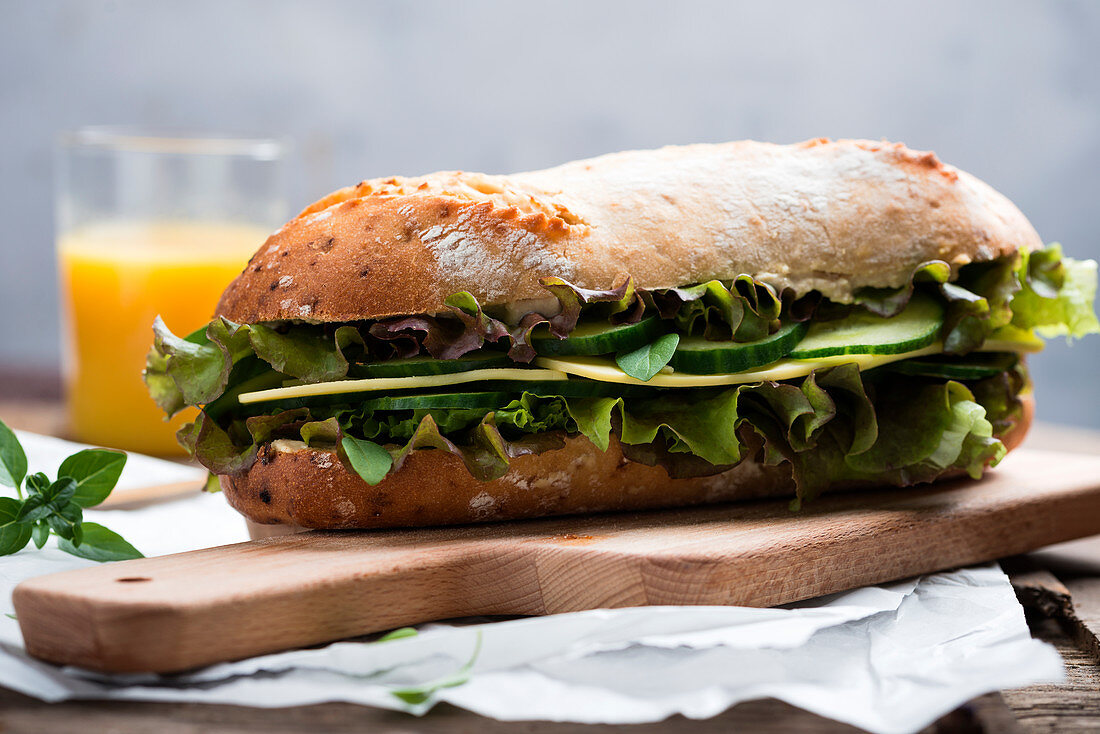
(823,216)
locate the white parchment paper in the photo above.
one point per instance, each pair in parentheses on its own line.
(46,453)
(890,658)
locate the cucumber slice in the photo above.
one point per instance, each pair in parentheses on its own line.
(421,366)
(698,356)
(500,395)
(495,394)
(598,337)
(470,400)
(971,367)
(862,332)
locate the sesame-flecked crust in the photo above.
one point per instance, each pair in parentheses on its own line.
(818,215)
(311,488)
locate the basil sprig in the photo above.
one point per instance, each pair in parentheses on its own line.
(57,507)
(646,361)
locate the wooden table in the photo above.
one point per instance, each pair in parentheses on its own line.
(1059,587)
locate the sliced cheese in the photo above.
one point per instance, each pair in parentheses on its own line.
(1029,346)
(604,369)
(375,384)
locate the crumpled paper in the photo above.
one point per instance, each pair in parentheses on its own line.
(890,658)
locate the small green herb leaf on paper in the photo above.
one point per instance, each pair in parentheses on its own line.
(40,534)
(59,493)
(85,479)
(398,634)
(422,693)
(65,521)
(13,461)
(96,471)
(100,544)
(37,483)
(34,508)
(646,361)
(14,535)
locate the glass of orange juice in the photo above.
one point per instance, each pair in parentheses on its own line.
(149,225)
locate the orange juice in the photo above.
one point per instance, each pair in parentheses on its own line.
(115,278)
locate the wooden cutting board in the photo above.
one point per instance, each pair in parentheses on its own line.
(190,609)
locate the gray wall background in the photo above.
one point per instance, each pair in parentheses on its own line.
(1008,90)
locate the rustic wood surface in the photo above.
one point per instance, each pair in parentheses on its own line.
(1073,706)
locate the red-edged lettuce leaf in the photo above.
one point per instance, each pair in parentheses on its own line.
(920,430)
(193,370)
(303,351)
(834,426)
(622,304)
(234,449)
(889,302)
(1057,294)
(1040,290)
(469,327)
(745,310)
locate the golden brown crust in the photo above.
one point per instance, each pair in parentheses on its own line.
(818,215)
(1016,436)
(311,488)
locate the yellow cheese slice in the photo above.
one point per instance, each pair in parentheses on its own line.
(375,384)
(1011,339)
(604,369)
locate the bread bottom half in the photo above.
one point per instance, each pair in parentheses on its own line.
(310,488)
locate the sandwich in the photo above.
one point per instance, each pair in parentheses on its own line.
(645,329)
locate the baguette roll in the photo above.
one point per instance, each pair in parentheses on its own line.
(822,316)
(827,216)
(303,488)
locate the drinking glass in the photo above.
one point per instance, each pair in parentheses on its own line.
(149,225)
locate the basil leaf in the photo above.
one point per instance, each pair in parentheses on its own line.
(13,462)
(398,634)
(100,544)
(40,534)
(368,459)
(14,534)
(34,508)
(63,528)
(646,361)
(422,693)
(60,492)
(37,483)
(72,512)
(96,471)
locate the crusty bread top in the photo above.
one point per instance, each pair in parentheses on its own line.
(818,215)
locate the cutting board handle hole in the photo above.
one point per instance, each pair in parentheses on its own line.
(132,579)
